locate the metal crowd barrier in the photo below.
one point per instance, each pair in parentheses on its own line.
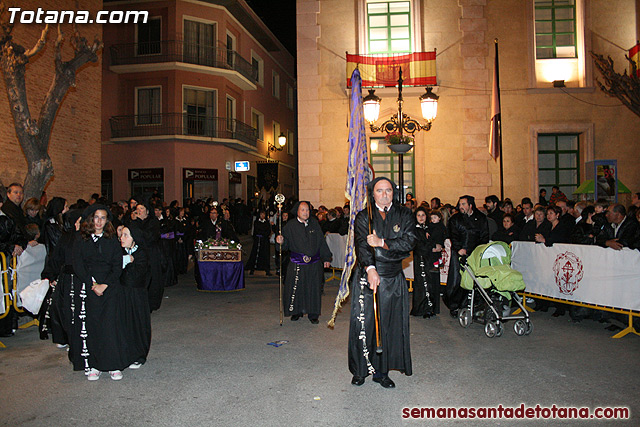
(8,287)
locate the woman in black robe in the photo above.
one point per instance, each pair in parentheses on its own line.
(423,298)
(48,316)
(167,245)
(281,260)
(66,301)
(182,225)
(97,261)
(259,258)
(135,279)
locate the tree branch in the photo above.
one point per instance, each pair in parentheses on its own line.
(625,87)
(5,26)
(39,44)
(58,49)
(64,78)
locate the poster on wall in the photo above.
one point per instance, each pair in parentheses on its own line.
(606,180)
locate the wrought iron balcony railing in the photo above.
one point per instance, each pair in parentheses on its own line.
(183,51)
(182,124)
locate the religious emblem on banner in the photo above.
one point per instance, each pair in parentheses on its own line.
(568,270)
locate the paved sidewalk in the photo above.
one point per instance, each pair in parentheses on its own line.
(210,365)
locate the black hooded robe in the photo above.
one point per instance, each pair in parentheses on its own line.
(302,287)
(259,258)
(103,326)
(426,292)
(399,233)
(136,314)
(150,228)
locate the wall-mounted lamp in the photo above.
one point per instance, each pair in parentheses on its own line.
(278,146)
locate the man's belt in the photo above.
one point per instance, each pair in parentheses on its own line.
(169,235)
(303,259)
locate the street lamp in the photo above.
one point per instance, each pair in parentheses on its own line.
(278,146)
(400,123)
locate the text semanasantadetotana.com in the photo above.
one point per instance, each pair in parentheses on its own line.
(41,16)
(517,412)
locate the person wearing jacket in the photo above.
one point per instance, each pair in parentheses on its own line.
(467,229)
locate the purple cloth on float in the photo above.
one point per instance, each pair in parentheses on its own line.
(219,276)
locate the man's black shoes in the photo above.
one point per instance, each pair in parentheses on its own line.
(314,321)
(384,382)
(357,380)
(295,317)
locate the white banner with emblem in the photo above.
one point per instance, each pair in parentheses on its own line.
(580,273)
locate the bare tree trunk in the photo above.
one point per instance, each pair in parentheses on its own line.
(34,135)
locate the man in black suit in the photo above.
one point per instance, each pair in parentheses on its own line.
(622,232)
(217,227)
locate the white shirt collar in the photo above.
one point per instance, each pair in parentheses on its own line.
(381,209)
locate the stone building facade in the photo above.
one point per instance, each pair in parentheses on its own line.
(453,157)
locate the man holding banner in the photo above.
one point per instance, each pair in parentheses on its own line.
(384,236)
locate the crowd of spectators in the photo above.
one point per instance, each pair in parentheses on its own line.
(170,229)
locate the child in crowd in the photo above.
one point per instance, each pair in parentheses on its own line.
(437,233)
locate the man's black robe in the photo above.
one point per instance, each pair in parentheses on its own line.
(150,228)
(259,258)
(302,288)
(398,232)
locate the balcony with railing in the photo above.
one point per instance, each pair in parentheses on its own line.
(228,131)
(178,54)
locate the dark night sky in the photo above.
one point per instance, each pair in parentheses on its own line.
(280,17)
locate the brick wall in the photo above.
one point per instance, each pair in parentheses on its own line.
(74,146)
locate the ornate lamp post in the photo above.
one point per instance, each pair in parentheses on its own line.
(400,124)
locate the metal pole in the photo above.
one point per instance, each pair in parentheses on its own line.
(279,200)
(400,125)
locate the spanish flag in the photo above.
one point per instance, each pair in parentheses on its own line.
(634,55)
(418,69)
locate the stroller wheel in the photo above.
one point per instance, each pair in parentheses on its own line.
(519,327)
(529,327)
(500,330)
(491,329)
(464,317)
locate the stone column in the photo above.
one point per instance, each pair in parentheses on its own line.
(476,106)
(309,102)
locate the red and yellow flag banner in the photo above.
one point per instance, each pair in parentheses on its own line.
(634,55)
(418,69)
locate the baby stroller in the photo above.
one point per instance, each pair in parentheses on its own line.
(487,272)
